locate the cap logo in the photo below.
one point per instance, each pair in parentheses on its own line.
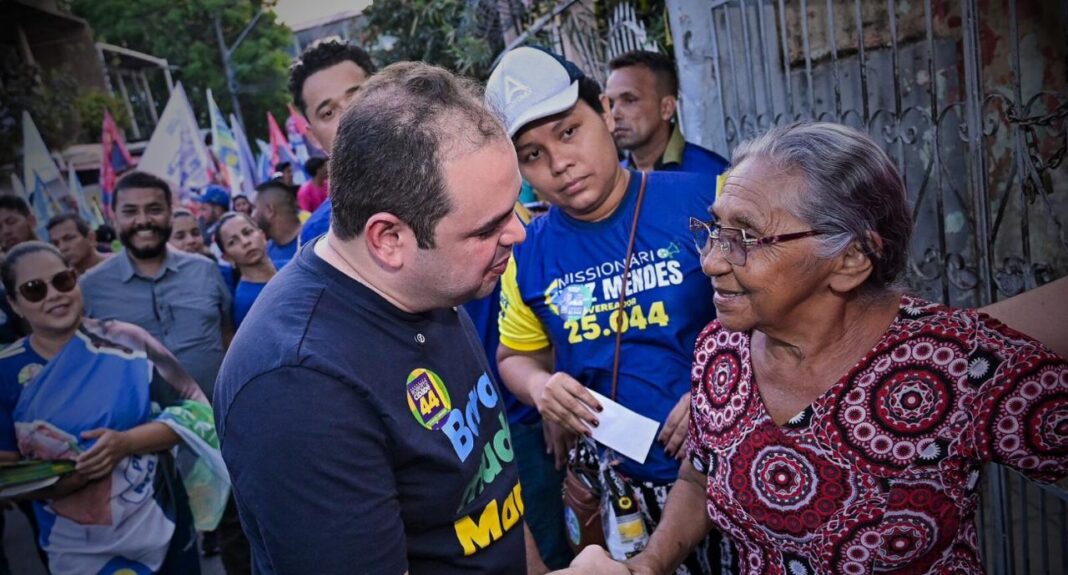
(514,90)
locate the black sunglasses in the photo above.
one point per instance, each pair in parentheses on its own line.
(34,291)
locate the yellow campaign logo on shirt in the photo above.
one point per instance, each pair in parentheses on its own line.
(29,372)
(428,398)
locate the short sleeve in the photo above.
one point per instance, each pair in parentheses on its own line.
(1022,413)
(312,476)
(226,300)
(521,330)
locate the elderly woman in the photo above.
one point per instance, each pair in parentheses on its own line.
(839,426)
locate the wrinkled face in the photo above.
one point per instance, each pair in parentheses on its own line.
(243,243)
(326,94)
(75,247)
(570,158)
(776,279)
(243,206)
(59,311)
(143,219)
(15,228)
(636,106)
(473,242)
(186,235)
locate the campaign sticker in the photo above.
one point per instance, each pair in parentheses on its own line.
(29,372)
(428,399)
(574,301)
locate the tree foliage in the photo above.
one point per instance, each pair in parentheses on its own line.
(91,106)
(184,34)
(461,36)
(49,98)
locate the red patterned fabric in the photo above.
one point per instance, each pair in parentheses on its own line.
(880,473)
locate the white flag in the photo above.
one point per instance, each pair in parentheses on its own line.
(176,151)
(38,166)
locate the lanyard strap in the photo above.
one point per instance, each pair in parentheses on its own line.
(623,291)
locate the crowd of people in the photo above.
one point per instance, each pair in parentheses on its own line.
(408,366)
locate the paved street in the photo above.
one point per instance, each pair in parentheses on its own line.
(22,556)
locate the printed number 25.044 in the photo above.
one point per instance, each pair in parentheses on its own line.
(588,329)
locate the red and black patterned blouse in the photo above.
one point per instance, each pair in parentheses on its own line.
(881,472)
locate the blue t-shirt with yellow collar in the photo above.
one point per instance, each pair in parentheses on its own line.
(563,285)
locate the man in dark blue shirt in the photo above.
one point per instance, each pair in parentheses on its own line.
(357,414)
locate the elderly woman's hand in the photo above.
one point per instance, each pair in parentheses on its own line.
(565,401)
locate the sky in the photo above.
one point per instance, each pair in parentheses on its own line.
(294,12)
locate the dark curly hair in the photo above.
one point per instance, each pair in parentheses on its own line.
(319,57)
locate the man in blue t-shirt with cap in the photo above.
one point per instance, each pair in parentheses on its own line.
(214,202)
(562,291)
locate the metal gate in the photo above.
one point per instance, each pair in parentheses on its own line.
(969,98)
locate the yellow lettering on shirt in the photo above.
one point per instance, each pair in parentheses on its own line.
(495,520)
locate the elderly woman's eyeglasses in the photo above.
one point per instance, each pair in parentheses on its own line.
(734,243)
(34,291)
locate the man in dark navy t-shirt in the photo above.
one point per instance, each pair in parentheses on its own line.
(357,414)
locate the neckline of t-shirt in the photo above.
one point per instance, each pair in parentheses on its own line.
(365,296)
(625,207)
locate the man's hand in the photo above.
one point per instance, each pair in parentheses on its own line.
(594,560)
(673,436)
(110,447)
(558,442)
(565,401)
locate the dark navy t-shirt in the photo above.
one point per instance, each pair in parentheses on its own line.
(364,439)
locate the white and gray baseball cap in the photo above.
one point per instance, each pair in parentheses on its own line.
(530,84)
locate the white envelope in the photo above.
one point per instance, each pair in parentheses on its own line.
(629,433)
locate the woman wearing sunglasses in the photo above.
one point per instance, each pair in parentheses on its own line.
(244,245)
(79,389)
(838,424)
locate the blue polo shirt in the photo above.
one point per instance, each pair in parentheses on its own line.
(683,156)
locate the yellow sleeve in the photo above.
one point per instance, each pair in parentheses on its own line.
(520,328)
(523,213)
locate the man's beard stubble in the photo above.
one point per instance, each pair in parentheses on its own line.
(163,233)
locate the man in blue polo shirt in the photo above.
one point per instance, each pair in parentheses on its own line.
(643,89)
(561,292)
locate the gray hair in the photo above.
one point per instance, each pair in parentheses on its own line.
(853,192)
